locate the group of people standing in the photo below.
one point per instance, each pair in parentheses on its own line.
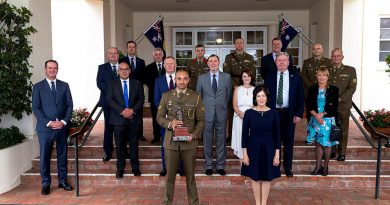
(213,104)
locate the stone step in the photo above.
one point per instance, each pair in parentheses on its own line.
(152,166)
(298,181)
(300,152)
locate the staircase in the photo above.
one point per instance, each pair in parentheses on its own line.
(357,171)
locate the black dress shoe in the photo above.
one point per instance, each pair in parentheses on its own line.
(155,141)
(341,158)
(289,173)
(142,138)
(209,172)
(325,172)
(136,172)
(181,172)
(106,158)
(163,172)
(221,172)
(45,190)
(317,171)
(65,186)
(119,174)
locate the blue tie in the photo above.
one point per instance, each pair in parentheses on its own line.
(126,93)
(53,88)
(214,84)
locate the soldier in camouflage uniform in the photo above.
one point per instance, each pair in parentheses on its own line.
(237,61)
(344,77)
(234,64)
(197,66)
(310,66)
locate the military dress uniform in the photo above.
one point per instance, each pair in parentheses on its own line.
(194,69)
(345,79)
(309,70)
(194,119)
(235,63)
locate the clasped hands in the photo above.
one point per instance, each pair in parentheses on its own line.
(56,125)
(318,117)
(127,113)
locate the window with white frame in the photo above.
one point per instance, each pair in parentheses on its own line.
(219,41)
(384,39)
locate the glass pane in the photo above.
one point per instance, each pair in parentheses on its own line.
(184,54)
(182,62)
(250,35)
(293,51)
(385,46)
(219,38)
(259,37)
(228,38)
(201,37)
(385,34)
(295,59)
(188,38)
(385,22)
(210,37)
(294,42)
(236,34)
(179,38)
(382,55)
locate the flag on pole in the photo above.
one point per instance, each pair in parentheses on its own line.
(287,33)
(155,33)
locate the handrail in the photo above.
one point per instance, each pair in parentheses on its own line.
(76,146)
(379,147)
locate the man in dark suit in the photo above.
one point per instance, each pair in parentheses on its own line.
(125,97)
(286,95)
(137,66)
(268,61)
(52,106)
(106,73)
(215,87)
(153,71)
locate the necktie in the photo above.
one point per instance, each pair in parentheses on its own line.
(214,84)
(181,94)
(114,69)
(279,98)
(171,86)
(53,88)
(126,93)
(159,69)
(132,64)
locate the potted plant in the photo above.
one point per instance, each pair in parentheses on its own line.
(387,60)
(379,119)
(79,116)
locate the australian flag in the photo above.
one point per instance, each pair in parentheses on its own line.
(155,34)
(287,33)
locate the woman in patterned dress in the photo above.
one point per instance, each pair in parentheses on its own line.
(322,102)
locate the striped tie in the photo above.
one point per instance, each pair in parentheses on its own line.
(279,98)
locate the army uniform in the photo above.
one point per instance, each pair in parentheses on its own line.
(194,119)
(235,63)
(309,71)
(345,79)
(194,69)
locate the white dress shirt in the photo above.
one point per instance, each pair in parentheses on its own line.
(169,79)
(286,82)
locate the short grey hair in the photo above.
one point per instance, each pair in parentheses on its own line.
(283,54)
(158,49)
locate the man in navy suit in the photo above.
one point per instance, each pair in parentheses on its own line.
(163,84)
(153,71)
(286,95)
(137,66)
(52,106)
(106,73)
(268,61)
(125,97)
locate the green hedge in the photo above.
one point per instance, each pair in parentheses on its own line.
(10,136)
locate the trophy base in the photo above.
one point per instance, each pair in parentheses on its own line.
(181,138)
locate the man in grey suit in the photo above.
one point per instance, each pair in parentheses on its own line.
(215,87)
(52,106)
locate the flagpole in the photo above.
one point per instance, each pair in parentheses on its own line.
(142,34)
(299,30)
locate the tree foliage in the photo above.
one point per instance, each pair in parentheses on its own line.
(15,49)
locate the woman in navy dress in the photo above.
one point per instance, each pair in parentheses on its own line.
(322,103)
(261,145)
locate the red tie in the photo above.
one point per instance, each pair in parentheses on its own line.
(171,86)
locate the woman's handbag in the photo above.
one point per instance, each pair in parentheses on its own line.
(335,133)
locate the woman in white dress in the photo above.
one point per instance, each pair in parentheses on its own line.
(242,100)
